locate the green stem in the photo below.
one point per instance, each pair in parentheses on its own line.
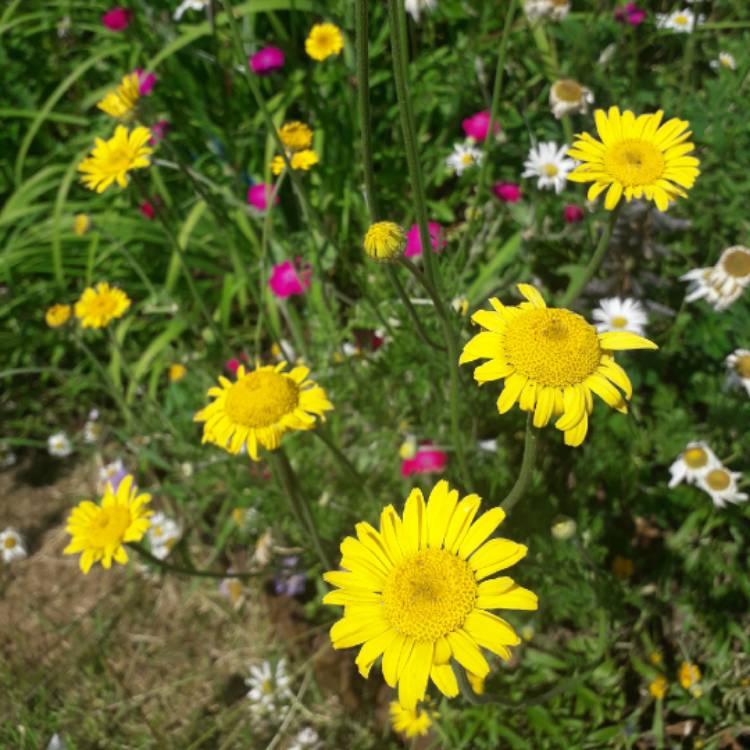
(194,572)
(527,466)
(299,508)
(363,100)
(578,283)
(421,333)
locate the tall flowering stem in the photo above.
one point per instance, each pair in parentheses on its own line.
(363,101)
(527,466)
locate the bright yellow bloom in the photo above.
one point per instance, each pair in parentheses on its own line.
(417,591)
(260,407)
(177,372)
(111,160)
(637,156)
(99,305)
(81,224)
(57,315)
(688,675)
(476,682)
(123,100)
(658,688)
(384,241)
(410,722)
(296,136)
(324,40)
(301,160)
(552,361)
(99,531)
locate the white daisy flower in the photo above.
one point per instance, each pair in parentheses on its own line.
(721,484)
(460,305)
(703,286)
(559,9)
(681,21)
(464,156)
(232,589)
(415,7)
(567,96)
(58,445)
(112,472)
(693,463)
(725,60)
(549,163)
(11,545)
(738,368)
(162,534)
(92,432)
(306,739)
(488,445)
(187,5)
(733,268)
(615,314)
(555,9)
(269,686)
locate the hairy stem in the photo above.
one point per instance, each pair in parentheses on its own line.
(527,466)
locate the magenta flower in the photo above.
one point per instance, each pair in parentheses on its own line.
(572,213)
(158,131)
(146,81)
(414,241)
(258,195)
(267,60)
(630,13)
(289,278)
(117,19)
(148,210)
(477,126)
(427,460)
(507,192)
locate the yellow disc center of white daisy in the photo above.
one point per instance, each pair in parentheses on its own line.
(737,263)
(467,158)
(234,587)
(429,594)
(742,366)
(552,347)
(681,20)
(261,398)
(551,170)
(718,479)
(9,542)
(695,458)
(267,687)
(567,90)
(634,162)
(110,525)
(619,322)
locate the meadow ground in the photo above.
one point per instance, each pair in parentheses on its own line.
(246,418)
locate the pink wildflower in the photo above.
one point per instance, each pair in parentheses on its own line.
(267,60)
(158,131)
(117,19)
(630,13)
(146,81)
(289,278)
(572,213)
(147,209)
(507,192)
(258,195)
(477,126)
(427,460)
(414,241)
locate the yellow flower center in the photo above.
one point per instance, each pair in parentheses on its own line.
(10,542)
(120,159)
(718,479)
(261,398)
(737,263)
(553,347)
(325,41)
(619,322)
(695,458)
(104,304)
(110,525)
(267,687)
(467,158)
(550,170)
(634,162)
(681,20)
(429,594)
(234,587)
(568,90)
(742,366)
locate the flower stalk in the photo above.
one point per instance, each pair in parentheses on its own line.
(527,466)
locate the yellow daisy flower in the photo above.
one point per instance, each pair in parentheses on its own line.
(410,722)
(111,160)
(260,407)
(324,40)
(57,315)
(123,100)
(552,361)
(417,592)
(637,157)
(99,531)
(177,371)
(81,224)
(300,160)
(688,675)
(384,240)
(296,136)
(658,687)
(100,305)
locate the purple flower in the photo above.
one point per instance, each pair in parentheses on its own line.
(146,81)
(477,126)
(258,195)
(158,131)
(630,13)
(267,60)
(507,192)
(289,278)
(414,240)
(117,19)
